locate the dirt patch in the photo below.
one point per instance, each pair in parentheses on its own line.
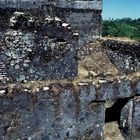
(112,131)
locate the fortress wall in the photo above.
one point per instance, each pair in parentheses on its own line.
(63,110)
(39,41)
(55,112)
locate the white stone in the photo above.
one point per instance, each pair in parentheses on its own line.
(65,24)
(57,19)
(102,81)
(2,92)
(46,88)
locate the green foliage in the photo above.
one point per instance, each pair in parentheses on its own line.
(125,27)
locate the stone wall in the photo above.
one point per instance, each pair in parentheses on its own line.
(39,42)
(55,111)
(124,55)
(58,110)
(39,39)
(84,16)
(35,47)
(130,119)
(74,4)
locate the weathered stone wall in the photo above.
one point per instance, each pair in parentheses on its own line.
(39,39)
(63,110)
(52,112)
(130,119)
(87,23)
(37,48)
(84,16)
(124,55)
(73,4)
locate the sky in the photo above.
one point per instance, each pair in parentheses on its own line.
(121,9)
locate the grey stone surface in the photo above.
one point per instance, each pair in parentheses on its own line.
(115,90)
(126,120)
(51,113)
(75,4)
(41,43)
(130,119)
(136,119)
(124,55)
(37,49)
(80,4)
(63,110)
(88,26)
(137,88)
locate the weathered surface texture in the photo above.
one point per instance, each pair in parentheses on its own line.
(75,4)
(37,48)
(114,67)
(84,16)
(41,42)
(52,112)
(126,56)
(41,111)
(130,119)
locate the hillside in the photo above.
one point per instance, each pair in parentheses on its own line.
(125,27)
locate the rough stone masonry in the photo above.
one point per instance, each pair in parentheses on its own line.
(39,40)
(36,45)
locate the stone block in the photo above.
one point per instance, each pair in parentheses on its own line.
(84,16)
(130,119)
(115,90)
(50,112)
(137,88)
(86,23)
(75,4)
(80,4)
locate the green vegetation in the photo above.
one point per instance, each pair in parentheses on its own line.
(125,27)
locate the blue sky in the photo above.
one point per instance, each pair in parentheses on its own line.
(121,8)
